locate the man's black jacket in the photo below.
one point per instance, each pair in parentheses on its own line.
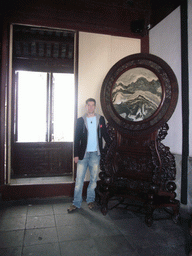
(81,135)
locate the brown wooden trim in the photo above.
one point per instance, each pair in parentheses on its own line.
(185,100)
(106,17)
(90,28)
(17,192)
(145,44)
(36,191)
(41,159)
(76,72)
(78,18)
(4,70)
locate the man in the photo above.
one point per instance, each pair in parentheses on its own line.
(90,130)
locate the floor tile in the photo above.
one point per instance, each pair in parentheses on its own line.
(69,219)
(36,210)
(11,238)
(13,211)
(50,249)
(12,223)
(12,251)
(94,217)
(114,245)
(40,236)
(101,229)
(79,248)
(43,227)
(46,221)
(132,226)
(146,251)
(75,232)
(170,234)
(118,214)
(168,251)
(61,208)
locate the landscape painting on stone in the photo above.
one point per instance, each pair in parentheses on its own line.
(137,94)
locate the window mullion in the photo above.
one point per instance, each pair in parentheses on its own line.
(49,108)
(16,107)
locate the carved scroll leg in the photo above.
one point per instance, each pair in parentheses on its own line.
(149,215)
(149,211)
(104,203)
(176,214)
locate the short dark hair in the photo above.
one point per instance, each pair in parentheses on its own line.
(90,99)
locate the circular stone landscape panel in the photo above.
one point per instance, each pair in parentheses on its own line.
(136,94)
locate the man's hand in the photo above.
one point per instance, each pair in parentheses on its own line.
(76,159)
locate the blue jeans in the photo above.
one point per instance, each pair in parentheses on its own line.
(91,160)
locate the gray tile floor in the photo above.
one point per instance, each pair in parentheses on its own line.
(43,227)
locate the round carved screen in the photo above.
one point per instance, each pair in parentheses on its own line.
(139,94)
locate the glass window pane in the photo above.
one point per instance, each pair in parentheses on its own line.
(32,95)
(63,107)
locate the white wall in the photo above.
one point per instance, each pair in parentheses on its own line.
(97,54)
(165,42)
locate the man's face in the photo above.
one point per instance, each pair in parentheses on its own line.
(90,106)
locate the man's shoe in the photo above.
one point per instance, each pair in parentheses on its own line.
(72,208)
(91,205)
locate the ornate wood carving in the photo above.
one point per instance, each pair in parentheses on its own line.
(148,177)
(137,164)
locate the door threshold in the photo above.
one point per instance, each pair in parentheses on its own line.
(41,180)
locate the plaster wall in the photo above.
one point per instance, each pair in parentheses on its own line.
(97,54)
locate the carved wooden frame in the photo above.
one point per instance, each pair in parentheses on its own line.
(169,96)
